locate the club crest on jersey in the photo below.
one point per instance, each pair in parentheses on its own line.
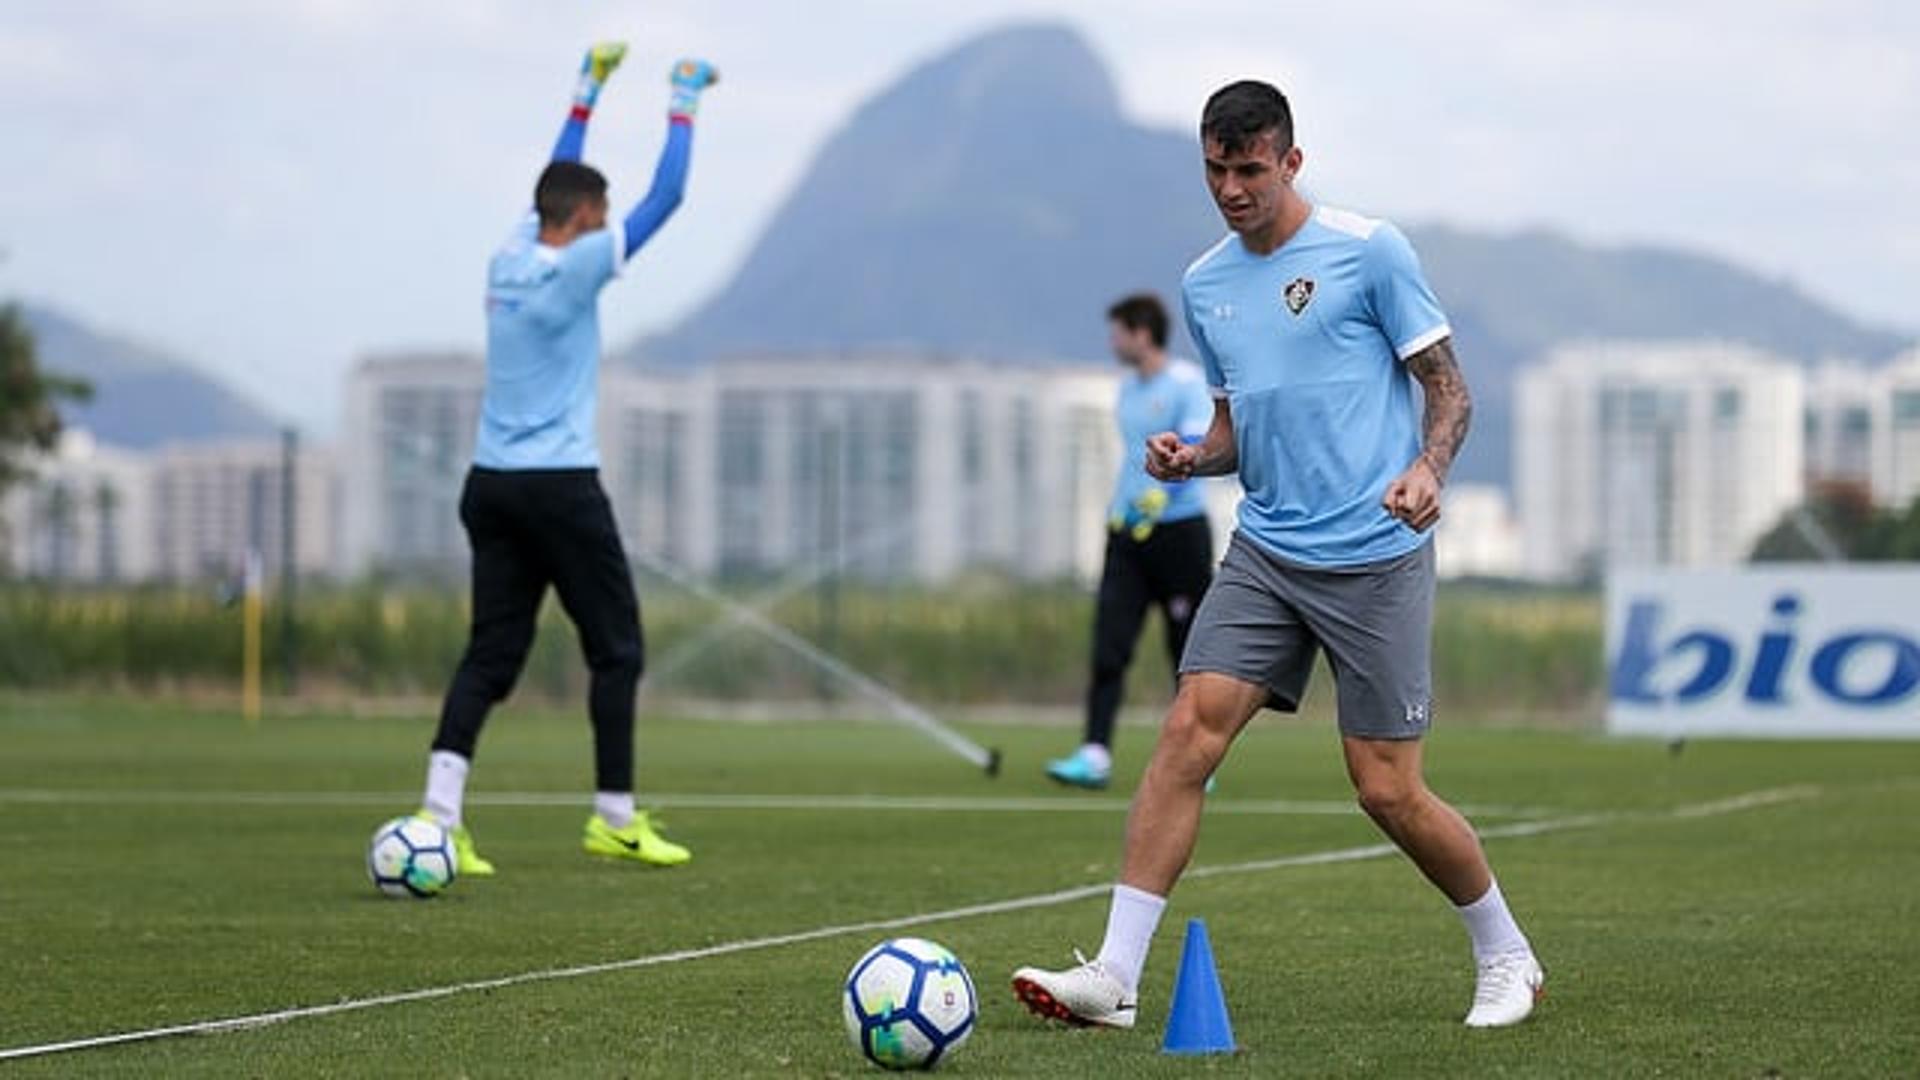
(1298,294)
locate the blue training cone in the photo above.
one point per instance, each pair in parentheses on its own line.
(1197,1023)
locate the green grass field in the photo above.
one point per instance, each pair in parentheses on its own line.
(161,865)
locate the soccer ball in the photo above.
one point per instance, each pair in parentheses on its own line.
(909,1004)
(411,856)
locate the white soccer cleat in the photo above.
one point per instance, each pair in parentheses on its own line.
(1085,996)
(1510,985)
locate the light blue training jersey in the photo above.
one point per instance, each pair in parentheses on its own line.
(1307,345)
(543,350)
(1175,399)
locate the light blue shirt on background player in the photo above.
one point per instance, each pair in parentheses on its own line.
(543,318)
(1307,345)
(543,350)
(1175,399)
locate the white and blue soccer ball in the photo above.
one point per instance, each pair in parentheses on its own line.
(411,856)
(909,1004)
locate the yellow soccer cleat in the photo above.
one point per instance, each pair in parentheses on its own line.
(637,841)
(467,861)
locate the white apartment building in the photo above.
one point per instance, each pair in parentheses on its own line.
(84,513)
(1896,432)
(893,466)
(215,502)
(1845,407)
(1863,428)
(406,441)
(96,513)
(1634,454)
(896,467)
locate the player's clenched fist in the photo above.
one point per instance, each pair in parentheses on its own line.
(1169,459)
(1414,496)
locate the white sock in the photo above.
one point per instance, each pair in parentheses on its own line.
(1134,917)
(1491,925)
(1099,755)
(446,786)
(616,807)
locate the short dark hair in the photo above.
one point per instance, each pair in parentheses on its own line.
(563,187)
(1239,113)
(1142,311)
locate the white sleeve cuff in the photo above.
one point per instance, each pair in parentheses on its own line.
(1219,393)
(1439,333)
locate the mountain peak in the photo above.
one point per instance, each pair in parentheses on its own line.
(945,210)
(1011,72)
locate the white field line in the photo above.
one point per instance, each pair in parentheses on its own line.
(1748,801)
(964,804)
(1736,804)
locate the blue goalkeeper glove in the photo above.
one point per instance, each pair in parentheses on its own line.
(689,79)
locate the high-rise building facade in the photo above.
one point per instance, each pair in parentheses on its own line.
(1654,454)
(888,467)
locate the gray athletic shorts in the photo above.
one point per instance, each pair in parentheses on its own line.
(1265,617)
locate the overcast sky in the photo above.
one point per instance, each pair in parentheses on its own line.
(273,188)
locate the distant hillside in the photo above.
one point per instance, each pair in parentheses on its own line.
(141,396)
(995,199)
(1511,296)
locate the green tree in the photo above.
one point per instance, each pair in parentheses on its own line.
(1895,535)
(1843,513)
(1846,515)
(29,398)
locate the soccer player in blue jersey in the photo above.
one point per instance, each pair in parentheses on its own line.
(1159,546)
(1313,324)
(533,508)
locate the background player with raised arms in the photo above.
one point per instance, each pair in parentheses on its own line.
(533,507)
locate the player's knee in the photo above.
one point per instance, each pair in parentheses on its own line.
(1194,746)
(493,670)
(1112,653)
(624,659)
(1109,669)
(1387,796)
(497,681)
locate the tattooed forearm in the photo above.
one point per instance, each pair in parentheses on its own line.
(1449,404)
(1219,453)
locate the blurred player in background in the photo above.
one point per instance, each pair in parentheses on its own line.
(1314,324)
(1159,546)
(533,508)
